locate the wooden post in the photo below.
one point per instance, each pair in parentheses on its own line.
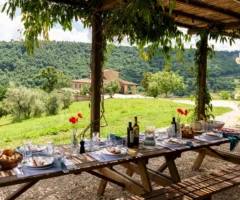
(96,70)
(202,75)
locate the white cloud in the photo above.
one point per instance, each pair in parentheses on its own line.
(78,36)
(10,30)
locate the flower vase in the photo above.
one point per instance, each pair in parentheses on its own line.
(179,131)
(74,143)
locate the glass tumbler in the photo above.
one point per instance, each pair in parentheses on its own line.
(50,148)
(27,148)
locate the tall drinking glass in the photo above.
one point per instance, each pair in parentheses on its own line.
(27,148)
(50,148)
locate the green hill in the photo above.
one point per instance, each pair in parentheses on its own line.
(74,59)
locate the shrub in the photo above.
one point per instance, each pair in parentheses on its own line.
(66,98)
(38,107)
(85,90)
(52,103)
(224,95)
(19,102)
(111,88)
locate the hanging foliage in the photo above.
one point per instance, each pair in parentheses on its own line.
(139,20)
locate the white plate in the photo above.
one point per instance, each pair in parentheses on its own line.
(106,152)
(182,142)
(35,148)
(43,162)
(212,135)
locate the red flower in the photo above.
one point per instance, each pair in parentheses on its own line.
(79,115)
(73,120)
(186,112)
(180,111)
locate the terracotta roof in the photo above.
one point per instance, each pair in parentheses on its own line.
(84,80)
(126,82)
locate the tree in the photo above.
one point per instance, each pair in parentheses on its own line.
(50,78)
(19,102)
(111,88)
(162,83)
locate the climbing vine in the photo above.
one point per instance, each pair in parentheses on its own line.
(211,32)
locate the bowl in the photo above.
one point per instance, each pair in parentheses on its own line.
(10,162)
(212,124)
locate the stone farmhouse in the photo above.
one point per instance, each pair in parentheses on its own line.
(109,75)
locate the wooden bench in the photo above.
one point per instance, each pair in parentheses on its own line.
(199,187)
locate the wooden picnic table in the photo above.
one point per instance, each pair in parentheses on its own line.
(138,165)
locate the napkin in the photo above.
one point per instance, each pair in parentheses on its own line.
(233,140)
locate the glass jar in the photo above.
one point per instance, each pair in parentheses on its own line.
(149,139)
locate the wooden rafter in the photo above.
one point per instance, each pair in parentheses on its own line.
(181,13)
(210,7)
(109,4)
(225,26)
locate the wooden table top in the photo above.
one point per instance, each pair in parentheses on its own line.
(84,162)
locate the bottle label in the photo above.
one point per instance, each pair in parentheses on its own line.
(173,130)
(131,136)
(136,133)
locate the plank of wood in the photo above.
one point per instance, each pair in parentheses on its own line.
(102,186)
(21,190)
(144,175)
(199,160)
(130,184)
(154,176)
(172,169)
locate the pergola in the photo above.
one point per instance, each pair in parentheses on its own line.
(221,16)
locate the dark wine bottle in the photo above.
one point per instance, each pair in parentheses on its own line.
(130,135)
(136,133)
(174,127)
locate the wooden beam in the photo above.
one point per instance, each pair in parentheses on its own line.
(184,14)
(96,70)
(130,184)
(21,190)
(210,7)
(154,176)
(173,169)
(225,26)
(202,75)
(144,175)
(105,178)
(197,163)
(109,4)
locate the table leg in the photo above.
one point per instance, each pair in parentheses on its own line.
(199,160)
(144,175)
(172,169)
(162,167)
(21,190)
(102,187)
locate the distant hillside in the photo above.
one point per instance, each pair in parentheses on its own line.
(74,58)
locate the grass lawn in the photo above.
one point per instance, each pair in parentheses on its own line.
(118,112)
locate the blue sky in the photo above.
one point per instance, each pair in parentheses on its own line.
(10,31)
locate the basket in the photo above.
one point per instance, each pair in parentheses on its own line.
(187,134)
(9,164)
